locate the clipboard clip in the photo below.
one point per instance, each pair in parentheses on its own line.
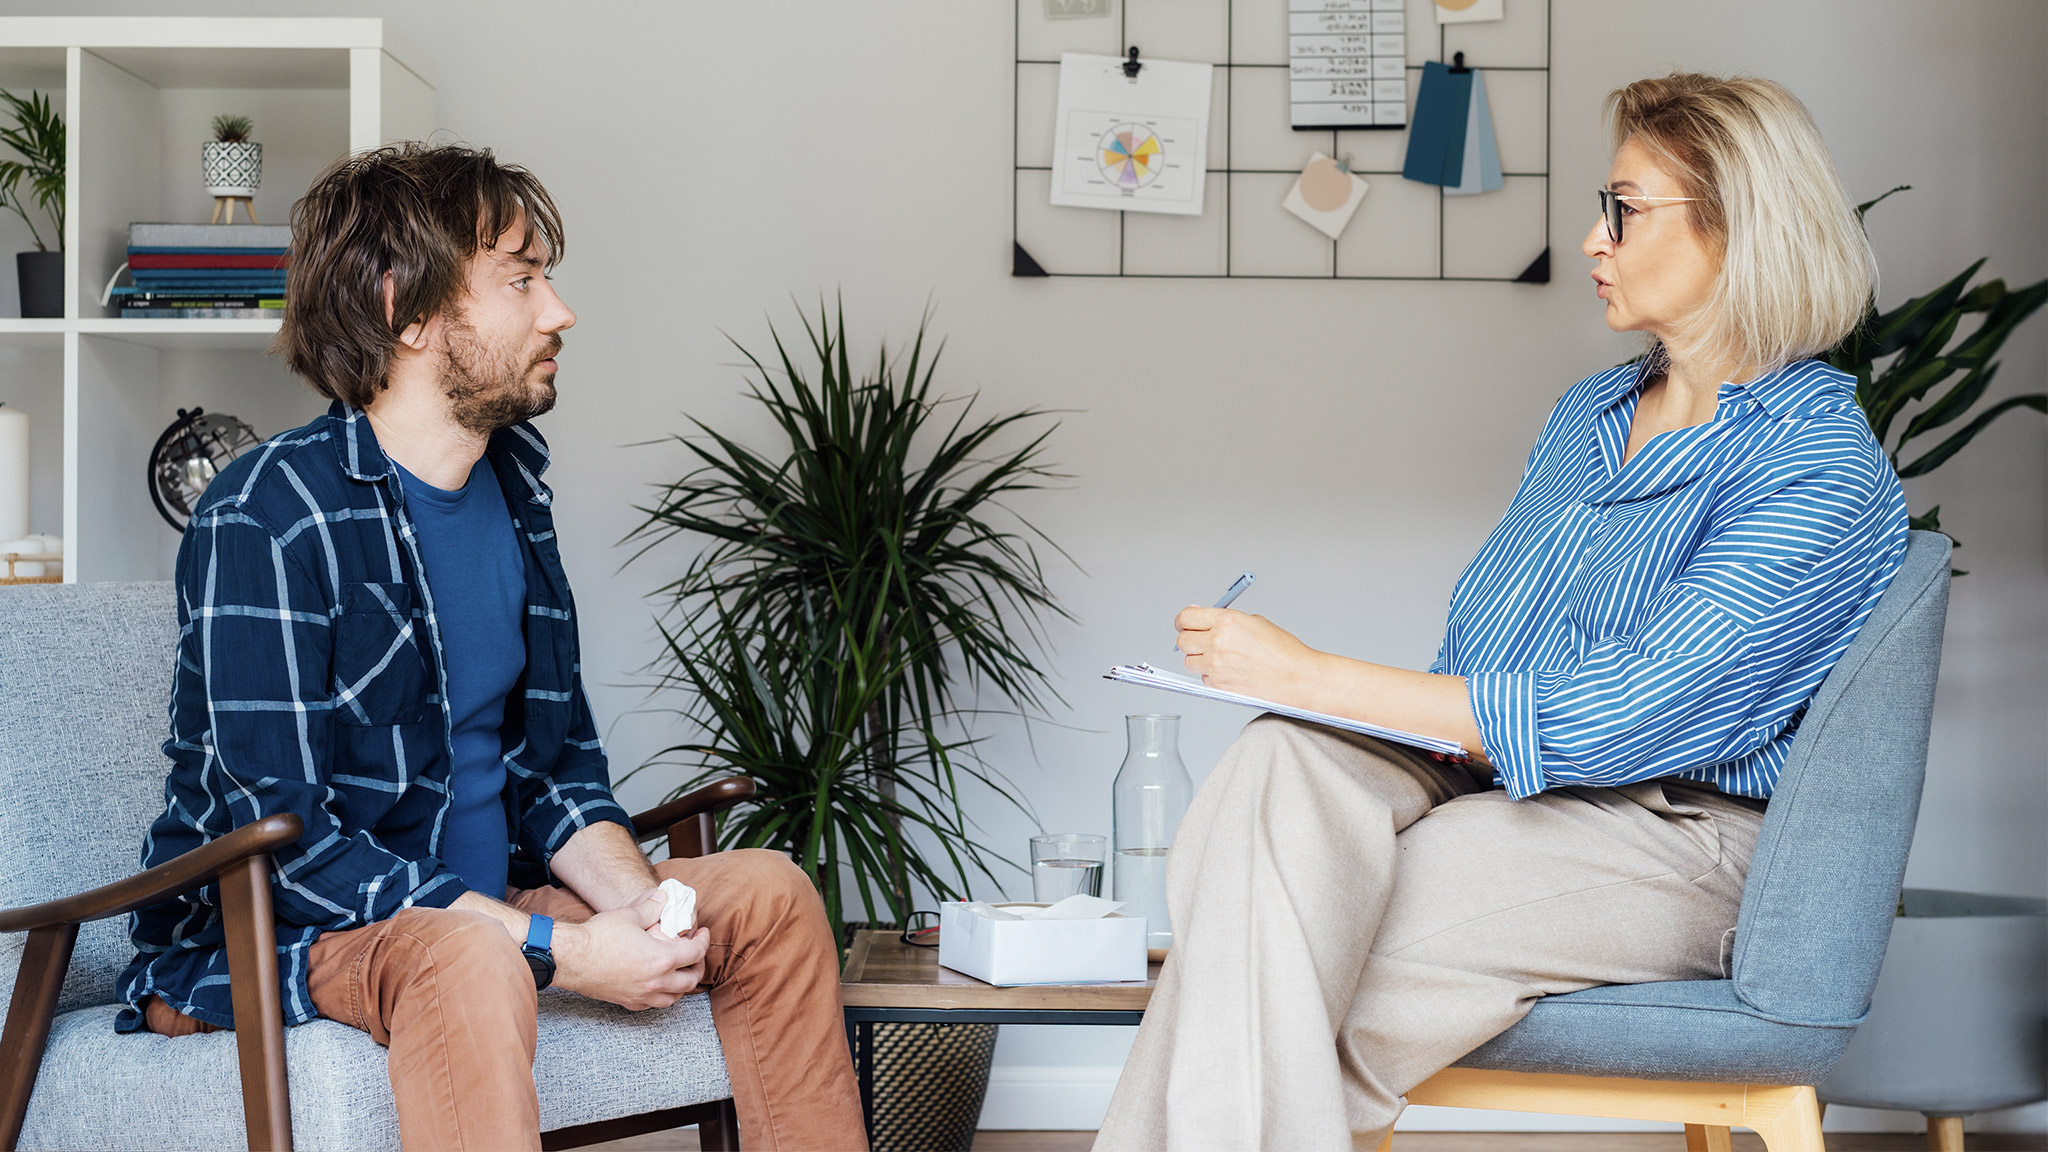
(1131,64)
(1457,62)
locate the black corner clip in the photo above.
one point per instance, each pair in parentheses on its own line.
(1458,62)
(1131,64)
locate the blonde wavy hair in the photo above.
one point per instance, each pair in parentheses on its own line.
(1797,271)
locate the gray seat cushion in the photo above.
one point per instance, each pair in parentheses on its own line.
(1676,1030)
(596,1062)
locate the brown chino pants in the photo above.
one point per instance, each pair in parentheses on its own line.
(451,997)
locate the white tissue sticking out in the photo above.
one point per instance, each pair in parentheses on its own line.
(1072,908)
(681,913)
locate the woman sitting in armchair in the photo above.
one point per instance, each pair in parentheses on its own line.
(1695,542)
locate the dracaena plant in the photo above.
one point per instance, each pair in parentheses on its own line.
(858,589)
(1918,343)
(37,177)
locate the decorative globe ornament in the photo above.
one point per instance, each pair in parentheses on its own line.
(187,457)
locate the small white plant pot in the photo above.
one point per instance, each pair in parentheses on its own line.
(231,169)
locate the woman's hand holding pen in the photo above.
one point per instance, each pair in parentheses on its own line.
(1239,652)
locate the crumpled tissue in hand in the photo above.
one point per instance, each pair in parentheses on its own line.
(680,914)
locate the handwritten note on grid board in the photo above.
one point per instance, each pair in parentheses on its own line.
(1347,63)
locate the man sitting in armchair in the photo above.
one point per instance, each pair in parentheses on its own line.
(376,634)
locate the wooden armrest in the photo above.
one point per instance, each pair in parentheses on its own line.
(713,797)
(194,869)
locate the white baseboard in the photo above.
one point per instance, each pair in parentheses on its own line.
(1075,1099)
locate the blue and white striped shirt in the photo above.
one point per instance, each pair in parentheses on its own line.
(1674,616)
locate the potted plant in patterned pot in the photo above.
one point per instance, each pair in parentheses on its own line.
(231,163)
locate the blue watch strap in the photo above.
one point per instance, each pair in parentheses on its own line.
(540,932)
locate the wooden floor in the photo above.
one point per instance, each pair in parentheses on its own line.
(685,1140)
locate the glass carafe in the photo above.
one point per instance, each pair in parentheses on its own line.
(1152,794)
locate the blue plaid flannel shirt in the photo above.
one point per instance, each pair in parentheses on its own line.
(311,679)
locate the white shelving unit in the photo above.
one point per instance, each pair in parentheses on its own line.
(138,94)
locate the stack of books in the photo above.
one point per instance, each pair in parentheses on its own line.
(221,271)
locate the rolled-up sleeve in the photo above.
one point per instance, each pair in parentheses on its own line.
(1693,684)
(254,658)
(576,791)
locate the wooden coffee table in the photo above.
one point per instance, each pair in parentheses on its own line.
(887,980)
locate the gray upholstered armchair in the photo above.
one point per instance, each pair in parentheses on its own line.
(84,680)
(1816,913)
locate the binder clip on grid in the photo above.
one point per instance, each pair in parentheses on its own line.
(1131,65)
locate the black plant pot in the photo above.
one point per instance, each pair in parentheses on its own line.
(42,283)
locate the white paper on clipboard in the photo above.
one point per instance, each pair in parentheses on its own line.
(1131,144)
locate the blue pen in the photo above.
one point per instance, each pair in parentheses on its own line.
(1236,590)
(1233,592)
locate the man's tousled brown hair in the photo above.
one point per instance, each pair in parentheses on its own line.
(417,212)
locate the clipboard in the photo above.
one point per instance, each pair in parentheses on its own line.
(1150,677)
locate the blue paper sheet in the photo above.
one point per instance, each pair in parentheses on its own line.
(1436,132)
(1481,168)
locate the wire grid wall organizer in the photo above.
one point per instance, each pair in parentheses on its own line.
(1403,231)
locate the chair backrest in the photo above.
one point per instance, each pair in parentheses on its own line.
(1824,882)
(85,690)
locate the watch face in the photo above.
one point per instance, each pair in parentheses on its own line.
(543,966)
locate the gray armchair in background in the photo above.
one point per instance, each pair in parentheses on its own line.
(85,674)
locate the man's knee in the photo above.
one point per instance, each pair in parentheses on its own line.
(774,878)
(474,947)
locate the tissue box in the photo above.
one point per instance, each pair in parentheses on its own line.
(1041,951)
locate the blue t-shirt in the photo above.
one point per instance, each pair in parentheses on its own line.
(478,581)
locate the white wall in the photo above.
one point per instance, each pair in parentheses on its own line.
(1353,443)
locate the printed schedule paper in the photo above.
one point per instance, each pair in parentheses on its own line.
(1151,677)
(1347,63)
(1131,144)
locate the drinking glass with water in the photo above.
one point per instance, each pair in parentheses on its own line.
(1067,864)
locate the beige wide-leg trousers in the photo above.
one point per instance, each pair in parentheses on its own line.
(1350,917)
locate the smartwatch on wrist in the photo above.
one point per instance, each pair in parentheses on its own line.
(540,935)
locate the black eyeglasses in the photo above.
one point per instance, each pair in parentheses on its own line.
(1611,203)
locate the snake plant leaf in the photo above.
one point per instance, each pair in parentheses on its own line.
(1983,296)
(1867,205)
(1950,406)
(2000,319)
(1910,322)
(1940,453)
(1898,387)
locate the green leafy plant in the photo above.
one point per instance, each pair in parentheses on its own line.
(1915,340)
(232,129)
(855,589)
(38,138)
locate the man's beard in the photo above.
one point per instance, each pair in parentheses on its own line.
(488,387)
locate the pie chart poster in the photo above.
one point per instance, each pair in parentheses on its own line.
(1132,145)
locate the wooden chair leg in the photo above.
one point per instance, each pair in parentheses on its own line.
(721,1134)
(1707,1138)
(1788,1120)
(259,1008)
(44,960)
(1944,1134)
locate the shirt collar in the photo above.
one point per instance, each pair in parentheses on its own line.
(518,454)
(1780,392)
(1796,386)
